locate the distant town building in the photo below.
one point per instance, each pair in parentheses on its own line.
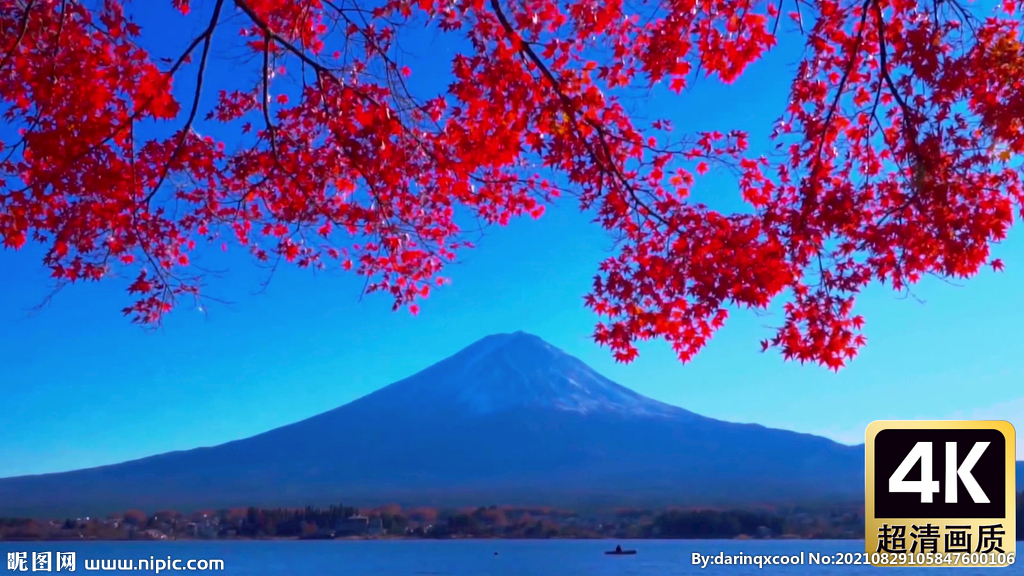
(357,525)
(375,527)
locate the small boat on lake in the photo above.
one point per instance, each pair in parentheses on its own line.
(620,552)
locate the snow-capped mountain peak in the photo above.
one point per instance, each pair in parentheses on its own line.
(504,372)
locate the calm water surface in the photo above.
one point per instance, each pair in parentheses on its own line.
(468,557)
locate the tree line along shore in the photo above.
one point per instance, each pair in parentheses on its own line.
(838,521)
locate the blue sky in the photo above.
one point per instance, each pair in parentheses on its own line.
(83,387)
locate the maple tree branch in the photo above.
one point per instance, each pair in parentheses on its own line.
(243,5)
(207,36)
(323,71)
(60,32)
(53,175)
(383,222)
(799,15)
(881,130)
(21,141)
(46,300)
(22,30)
(131,140)
(392,73)
(57,38)
(320,69)
(968,17)
(271,131)
(842,87)
(778,18)
(908,112)
(570,110)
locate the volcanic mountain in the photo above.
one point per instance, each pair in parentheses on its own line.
(508,420)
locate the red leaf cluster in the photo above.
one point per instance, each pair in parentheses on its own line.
(898,149)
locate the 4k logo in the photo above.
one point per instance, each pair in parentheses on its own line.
(940,487)
(922,453)
(939,473)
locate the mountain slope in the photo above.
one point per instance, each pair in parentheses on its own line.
(510,419)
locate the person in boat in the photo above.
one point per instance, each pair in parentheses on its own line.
(618,549)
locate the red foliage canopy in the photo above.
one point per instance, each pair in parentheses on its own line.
(898,149)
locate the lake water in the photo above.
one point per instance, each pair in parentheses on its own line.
(462,557)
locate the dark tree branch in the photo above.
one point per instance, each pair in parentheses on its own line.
(207,37)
